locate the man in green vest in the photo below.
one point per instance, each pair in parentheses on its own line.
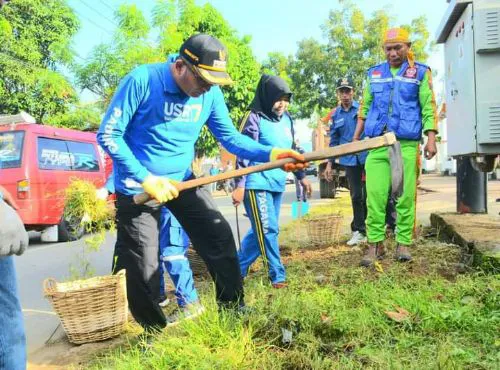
(398,97)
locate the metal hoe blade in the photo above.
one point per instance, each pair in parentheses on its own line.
(397,173)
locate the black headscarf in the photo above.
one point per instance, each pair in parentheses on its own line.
(269,90)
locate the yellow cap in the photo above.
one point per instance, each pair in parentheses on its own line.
(400,35)
(396,35)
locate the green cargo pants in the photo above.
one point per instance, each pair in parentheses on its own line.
(378,183)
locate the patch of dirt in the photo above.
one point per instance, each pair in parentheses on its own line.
(65,355)
(429,257)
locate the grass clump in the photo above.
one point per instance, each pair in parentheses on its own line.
(84,209)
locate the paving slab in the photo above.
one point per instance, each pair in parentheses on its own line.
(478,234)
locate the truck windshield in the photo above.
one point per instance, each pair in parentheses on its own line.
(11,149)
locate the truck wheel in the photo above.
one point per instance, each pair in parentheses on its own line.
(70,229)
(332,190)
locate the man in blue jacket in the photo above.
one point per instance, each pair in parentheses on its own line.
(343,124)
(149,130)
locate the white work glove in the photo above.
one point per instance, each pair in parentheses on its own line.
(13,236)
(102,193)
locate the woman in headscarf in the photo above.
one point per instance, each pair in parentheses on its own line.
(268,122)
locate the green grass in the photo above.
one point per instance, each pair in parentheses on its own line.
(337,314)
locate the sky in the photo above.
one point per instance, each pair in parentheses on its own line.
(274,25)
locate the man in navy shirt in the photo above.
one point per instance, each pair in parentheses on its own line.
(149,130)
(343,124)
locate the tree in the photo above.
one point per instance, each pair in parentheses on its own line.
(354,43)
(87,118)
(277,64)
(109,62)
(34,46)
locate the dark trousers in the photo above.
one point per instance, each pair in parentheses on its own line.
(137,251)
(357,189)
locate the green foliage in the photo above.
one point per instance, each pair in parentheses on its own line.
(354,43)
(242,65)
(181,19)
(87,118)
(34,41)
(109,62)
(276,64)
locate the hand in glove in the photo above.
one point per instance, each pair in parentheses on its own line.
(279,153)
(160,188)
(13,237)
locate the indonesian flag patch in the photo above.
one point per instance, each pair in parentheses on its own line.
(376,74)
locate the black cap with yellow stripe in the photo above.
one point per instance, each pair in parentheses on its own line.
(208,56)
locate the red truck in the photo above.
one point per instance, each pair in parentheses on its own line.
(37,163)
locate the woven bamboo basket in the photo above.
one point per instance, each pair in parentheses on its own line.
(324,229)
(90,310)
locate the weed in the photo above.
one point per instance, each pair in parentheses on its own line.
(94,215)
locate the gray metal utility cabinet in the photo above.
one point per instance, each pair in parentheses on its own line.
(470,31)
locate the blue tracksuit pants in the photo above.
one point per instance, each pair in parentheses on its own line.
(174,244)
(263,209)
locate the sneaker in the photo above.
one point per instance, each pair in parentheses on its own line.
(164,302)
(187,312)
(357,238)
(280,285)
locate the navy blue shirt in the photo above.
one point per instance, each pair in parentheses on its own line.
(342,130)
